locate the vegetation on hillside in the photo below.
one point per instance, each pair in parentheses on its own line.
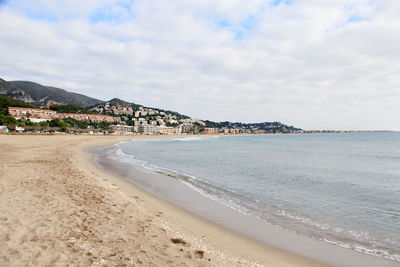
(55,125)
(7,120)
(69,108)
(5,102)
(40,95)
(61,125)
(266,126)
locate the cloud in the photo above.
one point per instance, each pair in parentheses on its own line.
(314,64)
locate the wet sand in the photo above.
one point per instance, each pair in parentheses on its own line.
(58,208)
(174,190)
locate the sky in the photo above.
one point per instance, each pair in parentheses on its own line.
(314,64)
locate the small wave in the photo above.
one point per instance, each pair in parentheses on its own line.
(194,138)
(362,249)
(179,139)
(152,167)
(356,240)
(359,241)
(196,183)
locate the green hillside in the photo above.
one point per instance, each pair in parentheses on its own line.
(39,95)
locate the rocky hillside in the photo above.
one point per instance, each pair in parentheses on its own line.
(40,95)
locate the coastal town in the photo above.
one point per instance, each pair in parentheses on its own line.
(120,117)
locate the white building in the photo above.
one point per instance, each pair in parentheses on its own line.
(166,130)
(122,129)
(147,129)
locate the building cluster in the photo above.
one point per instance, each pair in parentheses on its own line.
(87,117)
(122,129)
(114,109)
(159,129)
(148,120)
(38,115)
(225,130)
(126,120)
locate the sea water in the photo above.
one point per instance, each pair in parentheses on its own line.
(342,188)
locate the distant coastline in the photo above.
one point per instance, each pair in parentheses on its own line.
(32,105)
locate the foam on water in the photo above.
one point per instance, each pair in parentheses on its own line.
(280,212)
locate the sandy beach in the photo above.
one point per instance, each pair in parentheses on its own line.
(57,208)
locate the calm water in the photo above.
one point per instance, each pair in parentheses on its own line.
(339,188)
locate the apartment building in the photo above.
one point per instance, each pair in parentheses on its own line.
(34,114)
(122,129)
(147,129)
(211,130)
(166,130)
(87,117)
(38,115)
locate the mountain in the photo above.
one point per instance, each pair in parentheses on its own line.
(119,102)
(40,95)
(106,108)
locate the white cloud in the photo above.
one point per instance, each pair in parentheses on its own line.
(315,64)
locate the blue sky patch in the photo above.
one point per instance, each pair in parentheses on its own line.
(238,29)
(32,13)
(280,2)
(111,14)
(355,18)
(249,23)
(224,24)
(239,35)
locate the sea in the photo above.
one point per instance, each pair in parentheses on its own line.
(341,188)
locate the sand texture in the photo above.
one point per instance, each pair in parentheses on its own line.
(58,209)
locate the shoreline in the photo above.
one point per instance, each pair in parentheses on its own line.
(109,223)
(170,189)
(58,208)
(232,242)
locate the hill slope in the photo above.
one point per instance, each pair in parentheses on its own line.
(40,95)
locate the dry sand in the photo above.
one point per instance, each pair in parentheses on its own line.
(57,209)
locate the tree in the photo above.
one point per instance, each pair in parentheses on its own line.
(6,102)
(28,122)
(7,119)
(57,123)
(69,108)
